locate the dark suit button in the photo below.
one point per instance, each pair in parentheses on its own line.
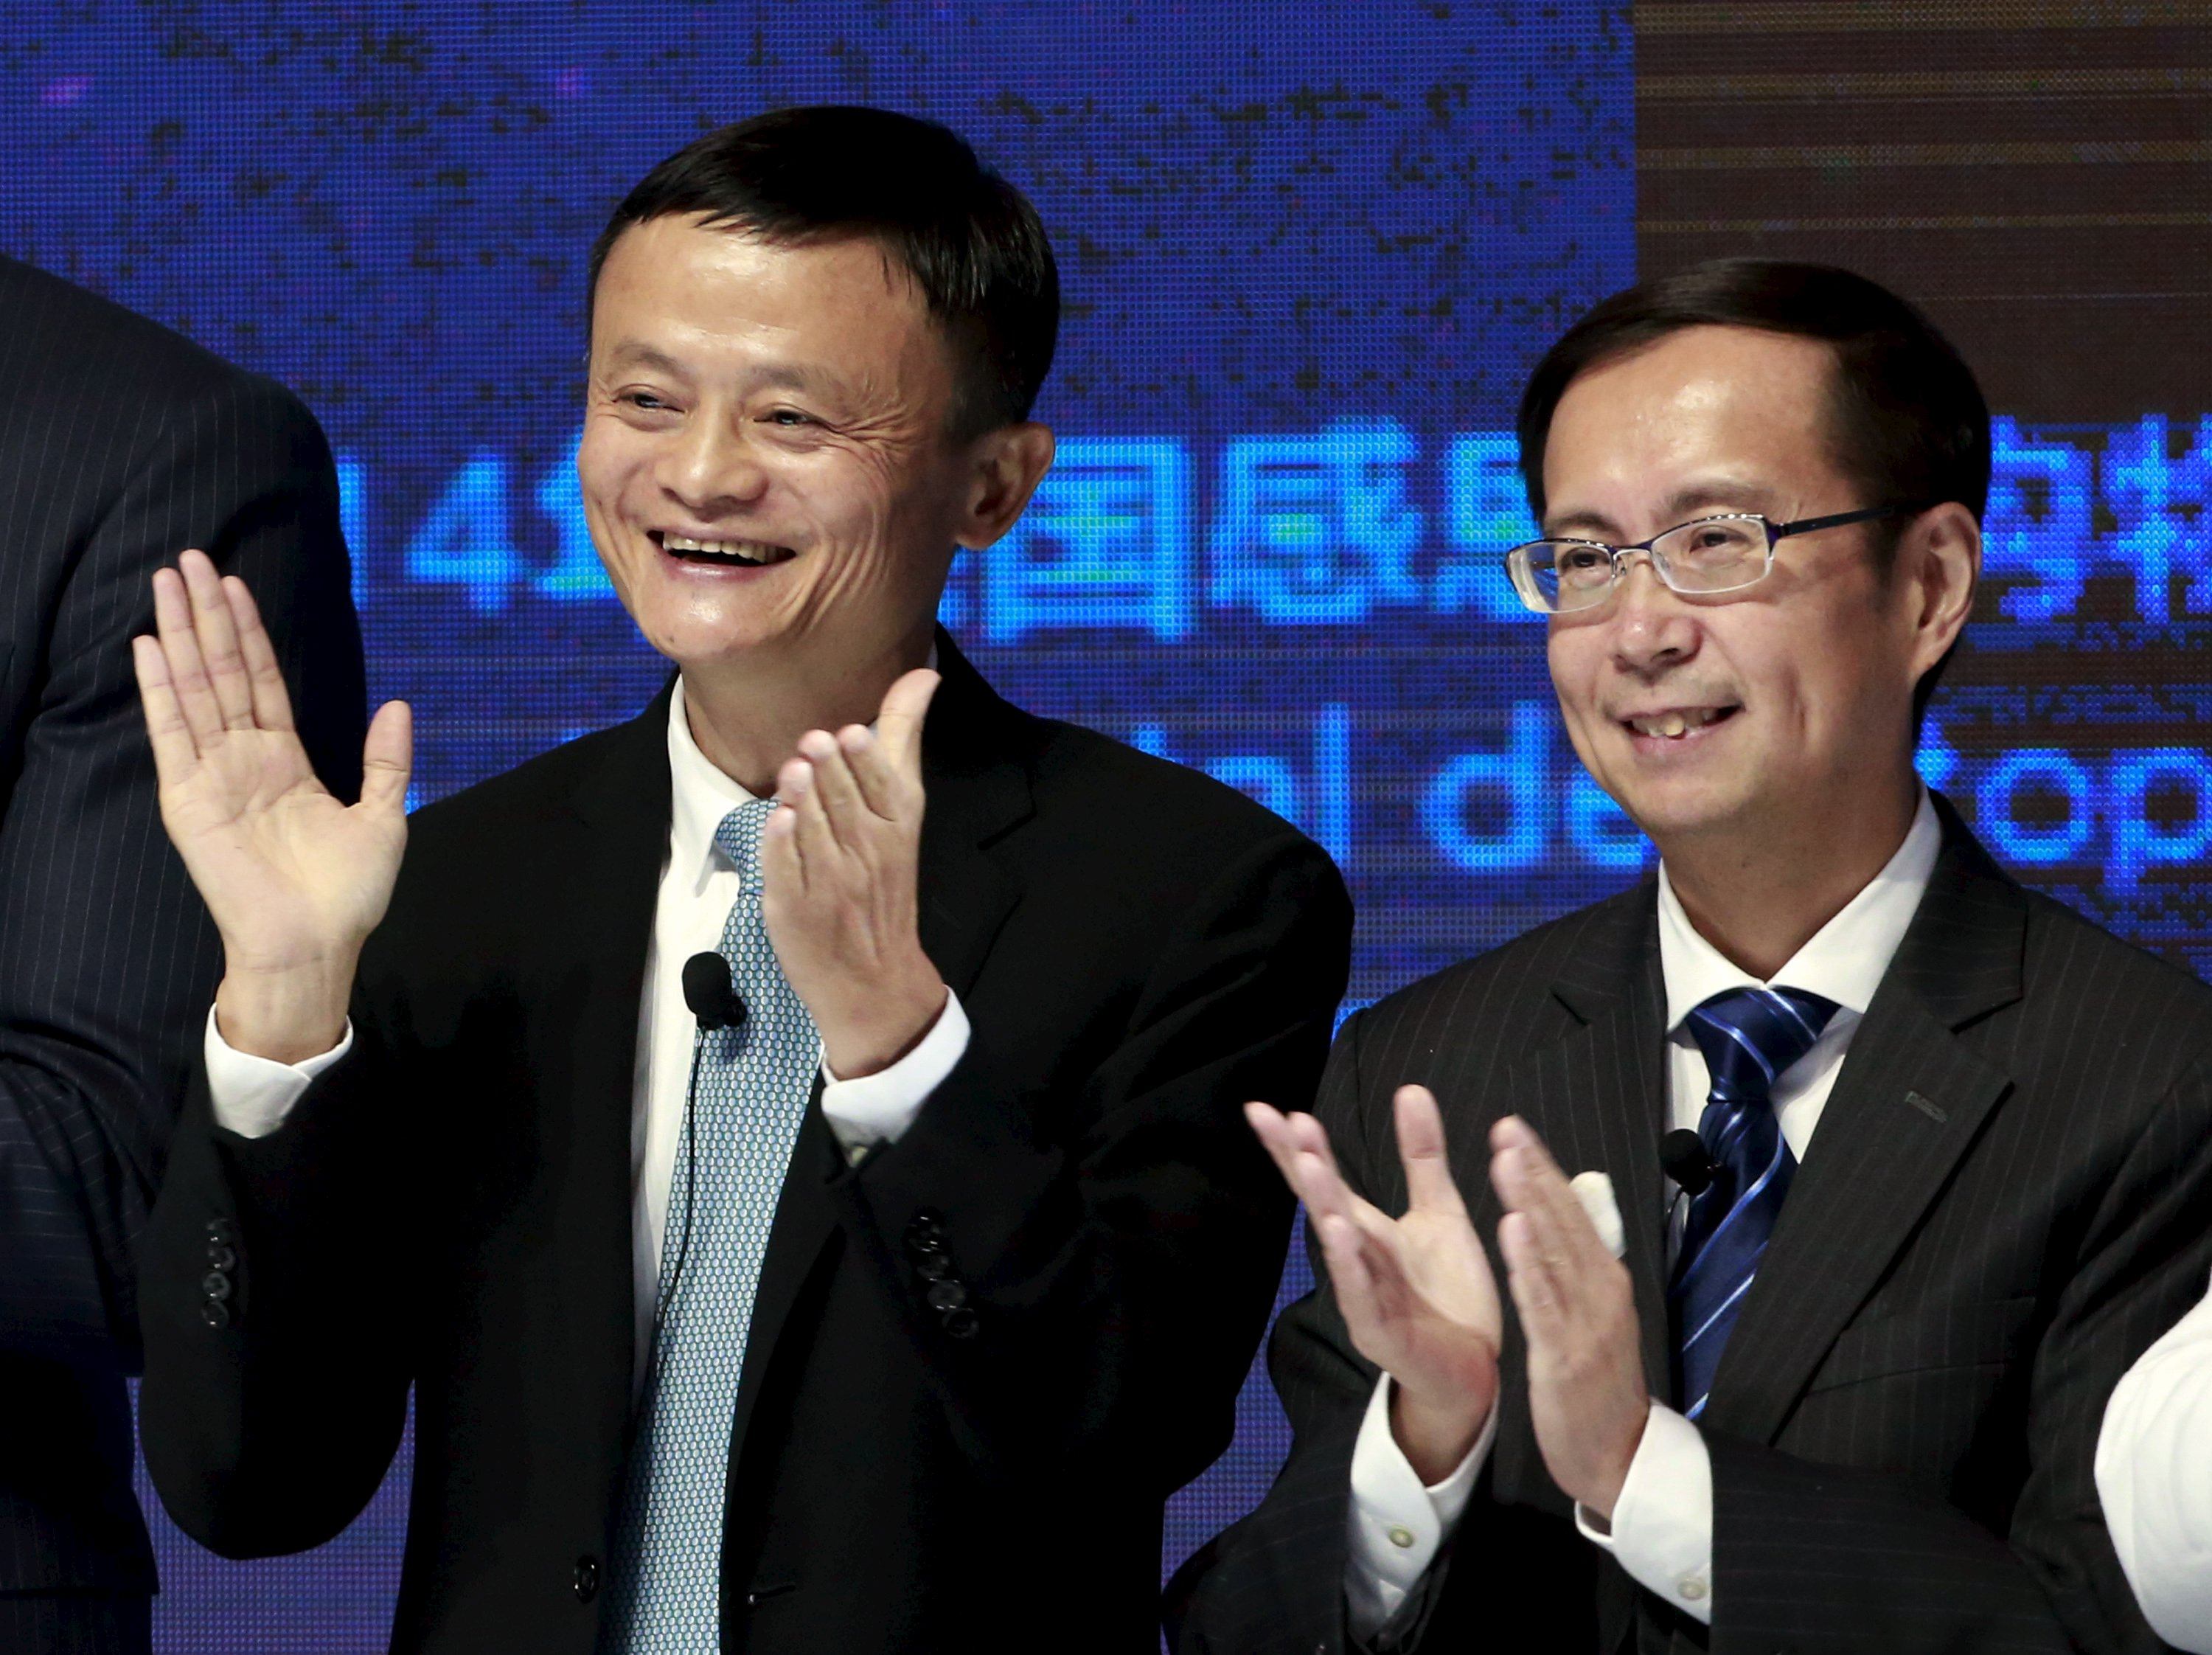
(934,1262)
(587,1579)
(927,1229)
(959,1324)
(216,1285)
(947,1295)
(215,1313)
(218,1229)
(222,1257)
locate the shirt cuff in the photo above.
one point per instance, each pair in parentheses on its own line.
(1397,1521)
(878,1108)
(2155,1441)
(251,1095)
(1662,1523)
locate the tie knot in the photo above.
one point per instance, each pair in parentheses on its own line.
(1750,1036)
(739,836)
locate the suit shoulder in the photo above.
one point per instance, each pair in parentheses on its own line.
(1521,970)
(1079,772)
(2083,972)
(70,337)
(515,800)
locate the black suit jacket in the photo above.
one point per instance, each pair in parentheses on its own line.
(2004,1204)
(121,444)
(1138,949)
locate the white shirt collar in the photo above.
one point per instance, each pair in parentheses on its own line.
(1844,960)
(701,795)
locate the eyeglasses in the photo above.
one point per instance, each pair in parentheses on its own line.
(1721,553)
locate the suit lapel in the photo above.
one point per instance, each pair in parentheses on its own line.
(977,790)
(1910,1100)
(974,792)
(619,815)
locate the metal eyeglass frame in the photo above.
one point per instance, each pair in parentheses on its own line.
(1524,580)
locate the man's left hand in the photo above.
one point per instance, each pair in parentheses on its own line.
(1586,1393)
(839,868)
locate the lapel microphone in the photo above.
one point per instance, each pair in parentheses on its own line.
(707,992)
(1690,1172)
(1682,1157)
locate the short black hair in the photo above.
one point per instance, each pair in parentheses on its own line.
(971,241)
(1906,414)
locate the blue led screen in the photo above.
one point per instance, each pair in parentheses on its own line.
(1309,252)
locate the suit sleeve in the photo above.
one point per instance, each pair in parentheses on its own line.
(272,1409)
(1092,1301)
(1273,1582)
(1504,1578)
(1900,1572)
(106,957)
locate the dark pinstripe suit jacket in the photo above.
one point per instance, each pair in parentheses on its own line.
(2005,1204)
(120,445)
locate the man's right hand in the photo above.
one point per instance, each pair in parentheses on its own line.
(1416,1292)
(294,880)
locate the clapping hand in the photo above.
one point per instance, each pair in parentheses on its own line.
(1587,1398)
(1416,1292)
(839,869)
(296,880)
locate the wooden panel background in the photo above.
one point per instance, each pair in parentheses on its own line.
(2036,173)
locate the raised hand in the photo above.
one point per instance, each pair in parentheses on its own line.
(1416,1292)
(296,880)
(840,867)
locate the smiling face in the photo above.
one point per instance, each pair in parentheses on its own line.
(1777,716)
(768,464)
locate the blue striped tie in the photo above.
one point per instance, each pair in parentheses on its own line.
(752,1088)
(1749,1037)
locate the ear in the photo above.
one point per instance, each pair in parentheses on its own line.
(1939,565)
(1006,465)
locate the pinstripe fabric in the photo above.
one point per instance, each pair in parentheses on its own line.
(73,1623)
(2004,1208)
(120,444)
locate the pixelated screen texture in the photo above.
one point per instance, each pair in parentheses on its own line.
(1309,252)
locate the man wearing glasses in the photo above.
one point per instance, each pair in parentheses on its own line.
(1905,1162)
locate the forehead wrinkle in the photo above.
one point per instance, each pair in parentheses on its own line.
(747,317)
(802,377)
(791,376)
(636,353)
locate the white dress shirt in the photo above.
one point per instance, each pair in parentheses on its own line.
(1662,1523)
(252,1095)
(2154,1477)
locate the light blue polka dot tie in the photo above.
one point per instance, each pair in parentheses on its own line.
(750,1093)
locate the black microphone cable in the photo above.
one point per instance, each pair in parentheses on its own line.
(715,1004)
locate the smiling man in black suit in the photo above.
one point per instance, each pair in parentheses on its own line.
(806,1227)
(1949,1145)
(120,443)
